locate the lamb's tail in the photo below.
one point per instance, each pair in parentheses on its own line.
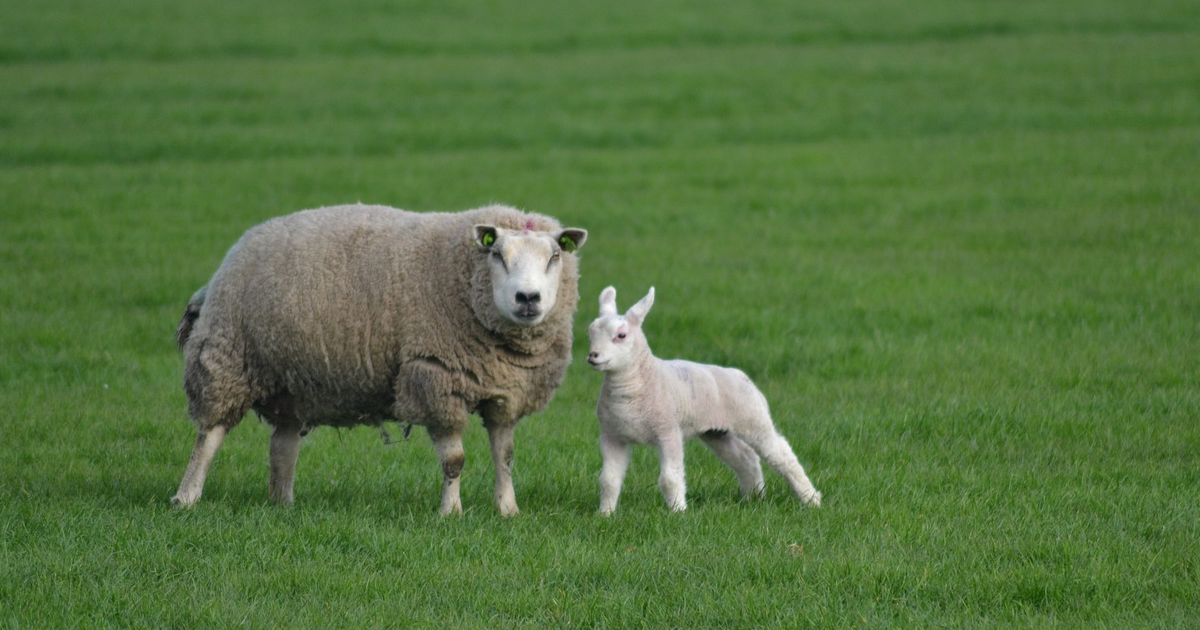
(190,315)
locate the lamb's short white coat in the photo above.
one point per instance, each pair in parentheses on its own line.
(646,400)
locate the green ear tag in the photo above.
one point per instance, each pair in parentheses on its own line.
(567,244)
(488,239)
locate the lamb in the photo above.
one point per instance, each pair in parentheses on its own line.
(354,315)
(646,400)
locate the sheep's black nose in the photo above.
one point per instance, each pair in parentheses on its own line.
(528,298)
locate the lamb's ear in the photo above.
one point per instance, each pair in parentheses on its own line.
(637,312)
(571,239)
(485,235)
(608,301)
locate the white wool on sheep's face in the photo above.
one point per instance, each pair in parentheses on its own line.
(526,269)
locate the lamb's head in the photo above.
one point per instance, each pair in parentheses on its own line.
(616,341)
(526,267)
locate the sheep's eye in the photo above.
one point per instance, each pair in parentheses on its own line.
(621,336)
(555,255)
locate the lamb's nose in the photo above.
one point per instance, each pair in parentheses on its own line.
(592,356)
(528,298)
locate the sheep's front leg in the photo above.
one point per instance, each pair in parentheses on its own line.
(501,438)
(449,447)
(192,485)
(285,450)
(615,455)
(740,457)
(671,480)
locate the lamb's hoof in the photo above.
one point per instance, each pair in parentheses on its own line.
(754,495)
(181,503)
(814,501)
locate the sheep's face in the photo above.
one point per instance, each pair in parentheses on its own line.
(615,341)
(526,269)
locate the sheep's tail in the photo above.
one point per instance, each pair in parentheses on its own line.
(190,315)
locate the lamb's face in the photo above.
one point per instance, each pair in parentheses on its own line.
(526,269)
(610,344)
(616,341)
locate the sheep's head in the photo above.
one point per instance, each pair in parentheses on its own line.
(615,340)
(526,266)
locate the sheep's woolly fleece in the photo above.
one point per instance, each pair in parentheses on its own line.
(360,314)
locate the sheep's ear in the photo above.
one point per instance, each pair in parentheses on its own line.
(608,301)
(485,236)
(637,312)
(571,239)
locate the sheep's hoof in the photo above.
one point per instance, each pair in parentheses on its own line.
(180,503)
(814,501)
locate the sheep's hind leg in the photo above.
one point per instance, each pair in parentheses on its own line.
(451,456)
(501,438)
(192,485)
(778,454)
(285,451)
(740,457)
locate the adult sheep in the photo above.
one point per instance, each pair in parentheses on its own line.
(359,314)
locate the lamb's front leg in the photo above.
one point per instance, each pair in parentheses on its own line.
(671,479)
(449,447)
(615,454)
(501,438)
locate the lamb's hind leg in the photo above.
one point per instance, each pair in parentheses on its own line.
(192,485)
(285,451)
(778,454)
(740,457)
(501,438)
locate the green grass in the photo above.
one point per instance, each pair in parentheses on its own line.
(955,244)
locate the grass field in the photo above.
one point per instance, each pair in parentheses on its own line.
(955,243)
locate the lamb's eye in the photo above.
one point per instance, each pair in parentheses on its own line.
(621,336)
